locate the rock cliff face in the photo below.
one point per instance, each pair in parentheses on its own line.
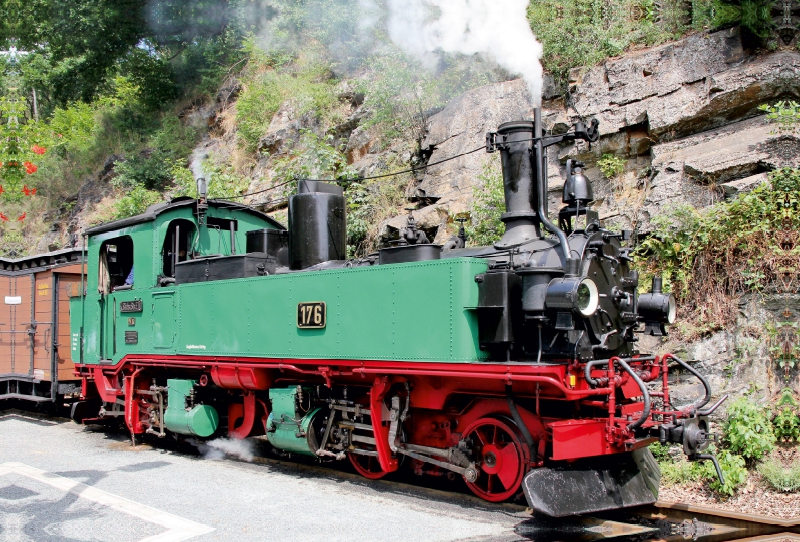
(684,116)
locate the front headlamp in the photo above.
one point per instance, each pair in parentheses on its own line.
(576,294)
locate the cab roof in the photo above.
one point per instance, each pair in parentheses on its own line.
(153,211)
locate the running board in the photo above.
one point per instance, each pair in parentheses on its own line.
(618,481)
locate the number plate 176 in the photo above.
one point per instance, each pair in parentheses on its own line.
(311,315)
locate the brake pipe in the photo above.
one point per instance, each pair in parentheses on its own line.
(645,394)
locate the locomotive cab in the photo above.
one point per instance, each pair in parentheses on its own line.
(135,261)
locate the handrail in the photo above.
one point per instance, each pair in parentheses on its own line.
(700,402)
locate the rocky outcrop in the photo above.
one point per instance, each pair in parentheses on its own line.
(684,116)
(693,85)
(702,168)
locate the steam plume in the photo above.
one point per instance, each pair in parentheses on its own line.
(499,30)
(219,448)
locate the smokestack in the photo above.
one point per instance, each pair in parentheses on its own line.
(515,142)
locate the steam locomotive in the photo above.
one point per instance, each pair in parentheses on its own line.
(513,366)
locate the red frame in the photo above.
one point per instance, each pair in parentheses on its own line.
(569,438)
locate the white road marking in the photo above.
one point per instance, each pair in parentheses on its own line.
(178,528)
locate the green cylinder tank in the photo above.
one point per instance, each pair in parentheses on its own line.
(197,420)
(288,427)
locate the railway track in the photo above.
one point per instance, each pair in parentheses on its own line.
(663,521)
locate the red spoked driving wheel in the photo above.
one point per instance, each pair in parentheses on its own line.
(367,466)
(500,457)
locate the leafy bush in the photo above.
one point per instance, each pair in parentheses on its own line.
(733,469)
(748,429)
(149,169)
(782,479)
(369,203)
(611,165)
(680,471)
(585,32)
(401,94)
(269,81)
(676,470)
(488,204)
(313,157)
(709,256)
(222,183)
(136,202)
(152,167)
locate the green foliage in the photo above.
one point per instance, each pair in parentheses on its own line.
(680,471)
(85,43)
(785,114)
(782,479)
(786,422)
(136,202)
(733,469)
(676,470)
(488,204)
(660,452)
(149,169)
(370,202)
(585,32)
(152,167)
(337,25)
(222,183)
(611,165)
(314,157)
(748,430)
(268,82)
(709,256)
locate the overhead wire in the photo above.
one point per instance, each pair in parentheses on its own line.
(357,179)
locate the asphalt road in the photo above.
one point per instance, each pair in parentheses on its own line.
(63,482)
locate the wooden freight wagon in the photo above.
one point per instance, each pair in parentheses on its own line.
(35,361)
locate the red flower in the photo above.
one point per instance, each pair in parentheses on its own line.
(3,217)
(28,191)
(38,150)
(2,189)
(21,217)
(30,168)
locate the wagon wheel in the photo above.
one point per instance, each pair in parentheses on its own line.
(500,456)
(367,466)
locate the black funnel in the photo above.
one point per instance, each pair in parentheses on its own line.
(515,142)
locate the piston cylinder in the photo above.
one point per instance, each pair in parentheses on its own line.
(188,419)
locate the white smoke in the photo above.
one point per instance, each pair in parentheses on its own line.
(498,29)
(219,448)
(196,164)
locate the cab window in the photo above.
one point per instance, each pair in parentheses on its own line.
(116,270)
(177,245)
